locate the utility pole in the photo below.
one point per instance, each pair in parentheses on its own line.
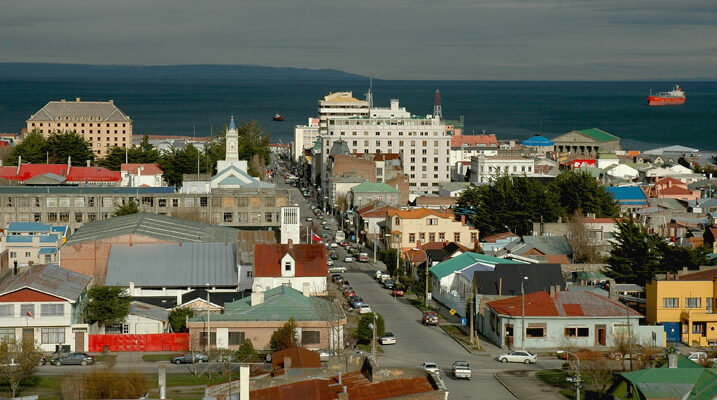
(373,341)
(522,292)
(472,313)
(428,264)
(209,328)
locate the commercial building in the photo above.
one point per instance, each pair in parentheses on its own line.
(304,138)
(28,243)
(45,304)
(485,169)
(422,143)
(368,192)
(99,122)
(340,105)
(76,205)
(684,303)
(408,228)
(463,147)
(586,142)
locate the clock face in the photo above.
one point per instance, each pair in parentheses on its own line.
(232,145)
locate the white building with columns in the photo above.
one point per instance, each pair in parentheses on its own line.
(484,169)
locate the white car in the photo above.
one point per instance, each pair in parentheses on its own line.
(431,367)
(334,245)
(387,338)
(329,262)
(349,259)
(521,356)
(378,274)
(337,269)
(364,309)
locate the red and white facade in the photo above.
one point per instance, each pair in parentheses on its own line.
(137,175)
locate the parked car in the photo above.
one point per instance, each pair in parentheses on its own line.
(461,370)
(387,338)
(326,354)
(697,356)
(309,219)
(337,269)
(337,278)
(334,255)
(521,356)
(349,291)
(364,309)
(348,259)
(190,357)
(377,275)
(329,262)
(398,292)
(430,318)
(356,302)
(431,367)
(43,360)
(388,284)
(334,245)
(363,257)
(73,359)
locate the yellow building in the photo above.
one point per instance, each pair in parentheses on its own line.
(409,227)
(684,304)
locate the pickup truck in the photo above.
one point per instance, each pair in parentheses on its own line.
(430,318)
(461,370)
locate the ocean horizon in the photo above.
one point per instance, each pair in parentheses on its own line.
(510,109)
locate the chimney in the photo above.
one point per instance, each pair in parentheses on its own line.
(612,292)
(418,244)
(244,382)
(179,299)
(463,219)
(88,163)
(111,101)
(257,298)
(19,163)
(131,288)
(77,99)
(552,291)
(14,267)
(306,290)
(672,360)
(291,244)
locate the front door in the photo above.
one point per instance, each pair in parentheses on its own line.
(79,341)
(600,335)
(509,335)
(28,334)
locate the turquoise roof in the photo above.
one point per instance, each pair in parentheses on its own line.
(538,140)
(231,180)
(372,187)
(48,250)
(466,260)
(28,227)
(280,304)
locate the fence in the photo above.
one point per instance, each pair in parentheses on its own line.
(148,342)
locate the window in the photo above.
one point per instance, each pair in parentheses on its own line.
(13,254)
(287,266)
(698,328)
(90,202)
(397,221)
(456,236)
(228,217)
(441,236)
(52,310)
(310,337)
(53,335)
(431,237)
(474,237)
(534,332)
(78,217)
(79,202)
(411,237)
(117,328)
(51,202)
(189,202)
(27,308)
(64,217)
(162,202)
(670,302)
(236,338)
(577,332)
(203,201)
(7,310)
(28,254)
(269,217)
(7,334)
(175,202)
(91,217)
(203,339)
(243,201)
(708,304)
(432,221)
(693,302)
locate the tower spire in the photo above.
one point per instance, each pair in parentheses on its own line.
(437,109)
(232,127)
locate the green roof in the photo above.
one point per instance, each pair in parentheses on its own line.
(280,304)
(464,261)
(372,187)
(587,275)
(664,382)
(598,134)
(317,145)
(705,387)
(453,186)
(684,362)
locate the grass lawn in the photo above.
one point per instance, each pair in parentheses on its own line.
(558,378)
(418,303)
(105,358)
(157,357)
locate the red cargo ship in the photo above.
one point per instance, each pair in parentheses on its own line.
(674,97)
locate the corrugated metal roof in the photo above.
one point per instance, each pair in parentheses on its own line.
(173,265)
(563,304)
(156,226)
(85,190)
(50,279)
(28,227)
(148,311)
(466,260)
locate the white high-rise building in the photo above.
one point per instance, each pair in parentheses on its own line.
(290,225)
(422,142)
(304,137)
(340,104)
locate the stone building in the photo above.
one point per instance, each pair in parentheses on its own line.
(586,142)
(100,122)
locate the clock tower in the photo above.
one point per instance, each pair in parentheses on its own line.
(232,146)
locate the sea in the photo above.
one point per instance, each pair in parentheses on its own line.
(511,110)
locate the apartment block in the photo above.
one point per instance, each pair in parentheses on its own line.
(340,105)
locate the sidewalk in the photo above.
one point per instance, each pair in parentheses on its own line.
(524,385)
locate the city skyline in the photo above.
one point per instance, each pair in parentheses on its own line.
(471,40)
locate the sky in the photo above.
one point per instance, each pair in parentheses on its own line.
(389,39)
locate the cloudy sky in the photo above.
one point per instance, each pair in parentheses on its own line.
(391,39)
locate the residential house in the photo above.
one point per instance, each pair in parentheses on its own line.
(671,188)
(452,189)
(28,243)
(710,238)
(678,379)
(301,266)
(409,227)
(557,319)
(463,147)
(368,192)
(45,304)
(491,244)
(684,303)
(623,172)
(448,288)
(630,199)
(372,218)
(160,269)
(485,169)
(135,175)
(676,171)
(320,323)
(142,319)
(600,231)
(548,249)
(509,279)
(435,202)
(586,142)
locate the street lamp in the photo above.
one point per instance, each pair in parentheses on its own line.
(577,379)
(373,340)
(522,293)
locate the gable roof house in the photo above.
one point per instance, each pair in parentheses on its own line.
(45,303)
(300,266)
(548,249)
(678,379)
(552,319)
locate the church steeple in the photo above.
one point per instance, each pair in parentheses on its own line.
(232,146)
(232,127)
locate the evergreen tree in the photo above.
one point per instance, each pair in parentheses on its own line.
(364,332)
(33,149)
(634,257)
(246,352)
(128,208)
(178,318)
(284,337)
(64,145)
(580,191)
(106,305)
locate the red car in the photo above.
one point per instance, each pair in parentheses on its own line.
(398,292)
(349,293)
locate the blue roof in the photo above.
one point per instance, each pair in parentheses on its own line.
(627,194)
(19,239)
(60,229)
(538,140)
(28,227)
(48,250)
(232,127)
(48,238)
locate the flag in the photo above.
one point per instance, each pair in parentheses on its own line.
(29,314)
(315,237)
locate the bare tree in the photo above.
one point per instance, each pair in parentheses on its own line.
(600,374)
(583,247)
(18,360)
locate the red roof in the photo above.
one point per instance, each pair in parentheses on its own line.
(670,180)
(563,304)
(674,190)
(599,220)
(149,169)
(76,174)
(300,358)
(706,275)
(474,140)
(310,259)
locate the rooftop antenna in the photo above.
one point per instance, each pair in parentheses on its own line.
(437,109)
(369,95)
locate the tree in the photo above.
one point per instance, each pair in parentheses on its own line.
(284,337)
(364,332)
(33,149)
(582,246)
(128,208)
(18,360)
(145,153)
(178,318)
(177,162)
(107,305)
(246,352)
(64,145)
(580,191)
(634,257)
(388,256)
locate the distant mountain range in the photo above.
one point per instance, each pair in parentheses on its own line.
(15,71)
